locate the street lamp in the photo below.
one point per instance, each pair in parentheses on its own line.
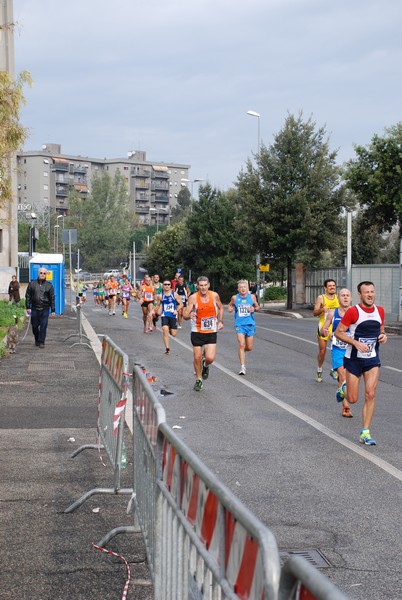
(252,113)
(32,234)
(56,237)
(192,181)
(57,242)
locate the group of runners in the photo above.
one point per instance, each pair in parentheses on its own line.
(356,333)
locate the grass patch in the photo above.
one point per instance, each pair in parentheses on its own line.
(7,312)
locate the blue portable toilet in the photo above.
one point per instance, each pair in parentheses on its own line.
(54,265)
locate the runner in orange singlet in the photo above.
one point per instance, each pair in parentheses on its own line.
(205,310)
(147,297)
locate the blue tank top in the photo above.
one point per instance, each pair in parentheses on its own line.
(168,305)
(242,305)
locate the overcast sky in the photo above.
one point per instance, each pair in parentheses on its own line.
(176,77)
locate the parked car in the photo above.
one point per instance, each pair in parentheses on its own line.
(114,272)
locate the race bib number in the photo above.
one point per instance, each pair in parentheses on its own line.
(148,296)
(339,343)
(371,343)
(208,324)
(169,308)
(243,310)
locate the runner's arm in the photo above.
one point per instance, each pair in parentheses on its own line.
(319,307)
(231,304)
(220,308)
(324,329)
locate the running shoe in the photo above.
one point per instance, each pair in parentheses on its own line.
(179,327)
(319,377)
(365,438)
(198,385)
(125,315)
(242,370)
(340,394)
(333,374)
(145,329)
(167,351)
(205,370)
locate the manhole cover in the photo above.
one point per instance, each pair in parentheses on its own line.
(312,555)
(66,365)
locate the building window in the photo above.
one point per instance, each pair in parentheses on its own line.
(45,174)
(45,187)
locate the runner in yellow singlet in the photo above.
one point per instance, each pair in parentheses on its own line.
(325,302)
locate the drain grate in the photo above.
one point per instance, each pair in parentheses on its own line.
(66,365)
(312,555)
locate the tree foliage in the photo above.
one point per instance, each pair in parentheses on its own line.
(182,208)
(42,244)
(162,255)
(12,133)
(103,222)
(375,177)
(214,244)
(291,201)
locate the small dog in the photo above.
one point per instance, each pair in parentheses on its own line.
(12,336)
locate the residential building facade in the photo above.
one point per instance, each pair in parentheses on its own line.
(45,178)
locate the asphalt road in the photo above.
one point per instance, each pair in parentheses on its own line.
(277,439)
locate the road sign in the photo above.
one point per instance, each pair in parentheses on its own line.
(264,268)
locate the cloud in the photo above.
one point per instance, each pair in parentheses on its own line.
(177,78)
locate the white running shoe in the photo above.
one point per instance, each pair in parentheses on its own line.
(242,370)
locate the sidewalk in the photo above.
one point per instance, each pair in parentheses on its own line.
(49,396)
(279,308)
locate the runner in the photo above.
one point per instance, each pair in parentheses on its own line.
(181,289)
(158,290)
(147,297)
(101,292)
(325,302)
(205,310)
(112,287)
(168,304)
(244,304)
(365,323)
(338,348)
(126,291)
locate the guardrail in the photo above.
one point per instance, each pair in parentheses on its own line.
(112,399)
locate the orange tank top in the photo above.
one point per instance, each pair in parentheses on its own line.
(148,293)
(205,320)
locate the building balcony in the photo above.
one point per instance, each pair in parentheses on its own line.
(138,172)
(159,185)
(141,209)
(161,198)
(141,185)
(62,190)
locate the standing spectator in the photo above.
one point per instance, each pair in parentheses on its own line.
(40,300)
(14,290)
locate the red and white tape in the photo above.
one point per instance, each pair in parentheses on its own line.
(106,551)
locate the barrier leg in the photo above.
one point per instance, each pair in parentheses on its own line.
(87,495)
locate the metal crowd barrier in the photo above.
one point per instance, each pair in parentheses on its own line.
(112,399)
(79,333)
(301,581)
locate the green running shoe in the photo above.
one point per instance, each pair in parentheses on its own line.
(198,385)
(365,438)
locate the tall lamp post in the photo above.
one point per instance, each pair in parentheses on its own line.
(192,181)
(252,113)
(55,237)
(57,231)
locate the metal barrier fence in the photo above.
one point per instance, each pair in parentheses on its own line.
(79,333)
(112,399)
(301,581)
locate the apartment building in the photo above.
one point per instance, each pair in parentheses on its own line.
(45,178)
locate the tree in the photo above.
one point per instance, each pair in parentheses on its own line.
(182,209)
(103,222)
(43,243)
(375,177)
(12,133)
(162,255)
(213,243)
(291,201)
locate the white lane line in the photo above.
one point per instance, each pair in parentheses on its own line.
(295,337)
(379,462)
(392,368)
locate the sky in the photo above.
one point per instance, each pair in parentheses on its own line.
(176,77)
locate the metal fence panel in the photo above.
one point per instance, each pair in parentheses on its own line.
(230,553)
(112,399)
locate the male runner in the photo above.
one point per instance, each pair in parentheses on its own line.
(158,290)
(167,305)
(365,323)
(244,304)
(338,348)
(181,290)
(205,310)
(325,302)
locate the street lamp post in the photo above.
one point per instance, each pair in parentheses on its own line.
(252,113)
(57,231)
(56,237)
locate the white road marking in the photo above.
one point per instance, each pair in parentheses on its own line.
(391,368)
(295,337)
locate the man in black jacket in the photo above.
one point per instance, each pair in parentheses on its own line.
(40,300)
